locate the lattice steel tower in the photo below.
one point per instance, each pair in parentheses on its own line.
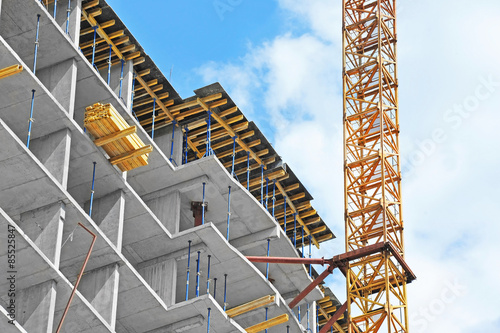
(376,285)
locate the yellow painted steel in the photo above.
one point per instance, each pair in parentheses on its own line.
(376,286)
(11,70)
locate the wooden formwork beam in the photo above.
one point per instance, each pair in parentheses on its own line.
(251,306)
(268,323)
(10,70)
(239,160)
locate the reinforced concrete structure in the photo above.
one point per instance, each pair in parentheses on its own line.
(162,247)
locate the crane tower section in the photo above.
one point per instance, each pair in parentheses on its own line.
(376,284)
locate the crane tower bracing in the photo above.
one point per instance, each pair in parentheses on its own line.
(376,285)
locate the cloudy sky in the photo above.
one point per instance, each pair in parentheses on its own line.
(281,62)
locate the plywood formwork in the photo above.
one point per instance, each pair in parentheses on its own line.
(376,285)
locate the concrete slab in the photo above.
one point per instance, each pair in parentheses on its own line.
(9,328)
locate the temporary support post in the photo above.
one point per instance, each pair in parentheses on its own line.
(215,287)
(133,93)
(284,202)
(267,264)
(267,190)
(172,143)
(317,318)
(299,313)
(203,206)
(68,13)
(225,292)
(121,79)
(310,250)
(274,196)
(92,191)
(209,151)
(234,154)
(154,116)
(187,278)
(248,171)
(302,241)
(36,42)
(55,9)
(198,275)
(266,316)
(186,145)
(295,229)
(262,184)
(109,65)
(287,328)
(93,45)
(307,312)
(208,275)
(208,321)
(30,124)
(228,212)
(94,237)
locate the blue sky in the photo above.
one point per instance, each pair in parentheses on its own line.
(280,60)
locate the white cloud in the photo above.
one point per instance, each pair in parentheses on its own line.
(446,50)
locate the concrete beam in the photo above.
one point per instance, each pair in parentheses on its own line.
(256,239)
(182,187)
(100,288)
(44,226)
(36,306)
(53,150)
(109,212)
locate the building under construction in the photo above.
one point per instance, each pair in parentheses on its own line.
(130,208)
(127,208)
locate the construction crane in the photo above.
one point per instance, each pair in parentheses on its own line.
(374,264)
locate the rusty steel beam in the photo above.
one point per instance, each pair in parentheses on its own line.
(334,318)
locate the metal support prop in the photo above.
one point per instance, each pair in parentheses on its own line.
(93,45)
(186,145)
(267,264)
(215,287)
(208,321)
(172,143)
(154,116)
(295,229)
(234,154)
(31,120)
(228,212)
(66,309)
(267,190)
(109,65)
(302,241)
(209,151)
(266,318)
(208,275)
(274,196)
(68,13)
(248,170)
(317,318)
(225,292)
(92,191)
(133,93)
(287,328)
(55,9)
(307,312)
(198,275)
(284,197)
(203,206)
(121,79)
(262,184)
(36,42)
(187,278)
(299,313)
(310,250)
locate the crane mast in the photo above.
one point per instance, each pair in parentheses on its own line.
(376,284)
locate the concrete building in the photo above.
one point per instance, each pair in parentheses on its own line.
(213,192)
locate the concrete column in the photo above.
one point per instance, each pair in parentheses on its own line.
(36,306)
(74,19)
(44,226)
(162,277)
(163,138)
(100,288)
(114,83)
(53,151)
(167,209)
(60,80)
(109,213)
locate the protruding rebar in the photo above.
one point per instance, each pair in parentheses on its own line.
(36,42)
(228,212)
(92,191)
(187,278)
(31,120)
(198,275)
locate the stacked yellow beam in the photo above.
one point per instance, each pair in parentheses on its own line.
(124,147)
(11,70)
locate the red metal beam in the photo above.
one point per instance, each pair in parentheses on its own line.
(287,260)
(311,286)
(334,318)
